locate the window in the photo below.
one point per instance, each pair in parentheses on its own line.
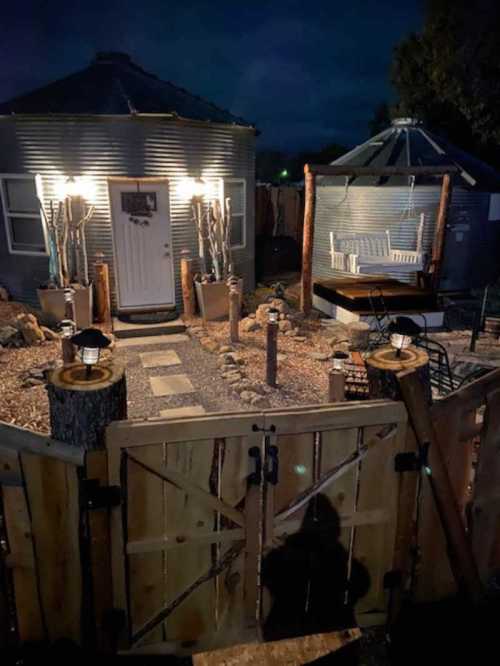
(235,189)
(23,223)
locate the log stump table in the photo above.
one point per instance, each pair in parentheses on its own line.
(383,364)
(81,408)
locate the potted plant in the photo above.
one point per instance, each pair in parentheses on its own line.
(213,226)
(68,265)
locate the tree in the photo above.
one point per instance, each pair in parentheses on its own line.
(449,74)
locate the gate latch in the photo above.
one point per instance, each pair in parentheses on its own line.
(95,496)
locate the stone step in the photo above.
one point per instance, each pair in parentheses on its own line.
(122,329)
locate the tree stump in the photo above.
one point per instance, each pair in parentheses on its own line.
(359,335)
(81,409)
(383,364)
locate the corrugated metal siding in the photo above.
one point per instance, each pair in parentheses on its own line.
(365,209)
(98,148)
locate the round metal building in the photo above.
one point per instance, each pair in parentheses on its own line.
(404,210)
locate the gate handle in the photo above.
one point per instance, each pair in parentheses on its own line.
(272,465)
(255,477)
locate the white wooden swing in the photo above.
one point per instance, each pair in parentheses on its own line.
(371,252)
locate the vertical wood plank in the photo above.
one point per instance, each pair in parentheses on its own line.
(307,242)
(378,488)
(194,618)
(146,520)
(53,496)
(22,561)
(486,508)
(100,551)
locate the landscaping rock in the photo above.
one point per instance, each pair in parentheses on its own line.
(4,294)
(32,381)
(209,344)
(30,330)
(280,305)
(248,396)
(320,356)
(251,315)
(300,338)
(258,401)
(49,334)
(234,379)
(8,334)
(225,349)
(261,314)
(281,357)
(285,325)
(249,325)
(283,316)
(290,334)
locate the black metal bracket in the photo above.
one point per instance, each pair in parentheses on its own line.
(271,429)
(412,461)
(255,478)
(272,465)
(95,496)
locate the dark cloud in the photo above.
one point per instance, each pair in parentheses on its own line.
(305,73)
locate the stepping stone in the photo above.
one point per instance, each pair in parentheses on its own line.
(152,340)
(171,385)
(179,412)
(159,359)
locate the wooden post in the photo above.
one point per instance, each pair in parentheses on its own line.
(460,553)
(188,300)
(307,243)
(336,386)
(234,314)
(80,410)
(271,353)
(383,364)
(102,292)
(439,234)
(67,347)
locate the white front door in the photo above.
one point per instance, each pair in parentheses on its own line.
(142,243)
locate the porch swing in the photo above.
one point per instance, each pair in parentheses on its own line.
(372,253)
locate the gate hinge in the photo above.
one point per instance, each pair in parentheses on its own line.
(95,496)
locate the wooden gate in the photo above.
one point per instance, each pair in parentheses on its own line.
(204,499)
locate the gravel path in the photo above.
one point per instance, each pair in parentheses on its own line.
(212,392)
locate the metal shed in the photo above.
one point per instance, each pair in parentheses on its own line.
(395,204)
(109,121)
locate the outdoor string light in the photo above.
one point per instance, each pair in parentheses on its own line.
(90,342)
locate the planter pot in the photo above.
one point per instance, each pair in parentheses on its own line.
(52,303)
(213,299)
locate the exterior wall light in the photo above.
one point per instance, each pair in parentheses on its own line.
(192,188)
(90,342)
(74,187)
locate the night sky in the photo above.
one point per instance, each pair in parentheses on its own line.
(306,73)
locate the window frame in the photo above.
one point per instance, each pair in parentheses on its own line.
(30,216)
(223,182)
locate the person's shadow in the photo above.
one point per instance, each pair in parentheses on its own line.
(309,582)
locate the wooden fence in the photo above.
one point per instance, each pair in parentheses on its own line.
(161,538)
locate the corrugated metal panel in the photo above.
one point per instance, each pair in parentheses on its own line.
(370,209)
(134,147)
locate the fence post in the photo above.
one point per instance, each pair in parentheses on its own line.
(102,291)
(187,286)
(80,412)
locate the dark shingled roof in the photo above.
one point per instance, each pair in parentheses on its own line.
(113,85)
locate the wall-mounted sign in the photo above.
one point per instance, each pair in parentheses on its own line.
(139,203)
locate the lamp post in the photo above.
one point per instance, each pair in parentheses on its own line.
(336,378)
(272,346)
(90,342)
